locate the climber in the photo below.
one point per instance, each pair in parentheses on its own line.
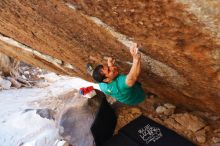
(124,88)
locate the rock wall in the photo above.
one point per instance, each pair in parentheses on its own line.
(179,41)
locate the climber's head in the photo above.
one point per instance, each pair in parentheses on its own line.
(104,73)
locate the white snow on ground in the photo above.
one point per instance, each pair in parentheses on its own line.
(20,128)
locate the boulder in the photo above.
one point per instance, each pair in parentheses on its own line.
(189,122)
(201,136)
(168,109)
(14,82)
(75,121)
(5,84)
(160,109)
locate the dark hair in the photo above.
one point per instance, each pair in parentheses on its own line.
(97,75)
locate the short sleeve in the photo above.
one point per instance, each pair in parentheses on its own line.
(122,81)
(103,87)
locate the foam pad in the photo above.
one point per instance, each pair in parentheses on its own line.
(120,140)
(145,132)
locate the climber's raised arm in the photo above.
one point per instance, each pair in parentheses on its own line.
(136,67)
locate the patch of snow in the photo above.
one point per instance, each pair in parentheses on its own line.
(19,123)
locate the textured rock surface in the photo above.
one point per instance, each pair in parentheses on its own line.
(179,41)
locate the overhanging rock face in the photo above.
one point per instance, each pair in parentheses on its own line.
(179,41)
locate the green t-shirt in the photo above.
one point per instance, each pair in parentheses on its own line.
(119,90)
